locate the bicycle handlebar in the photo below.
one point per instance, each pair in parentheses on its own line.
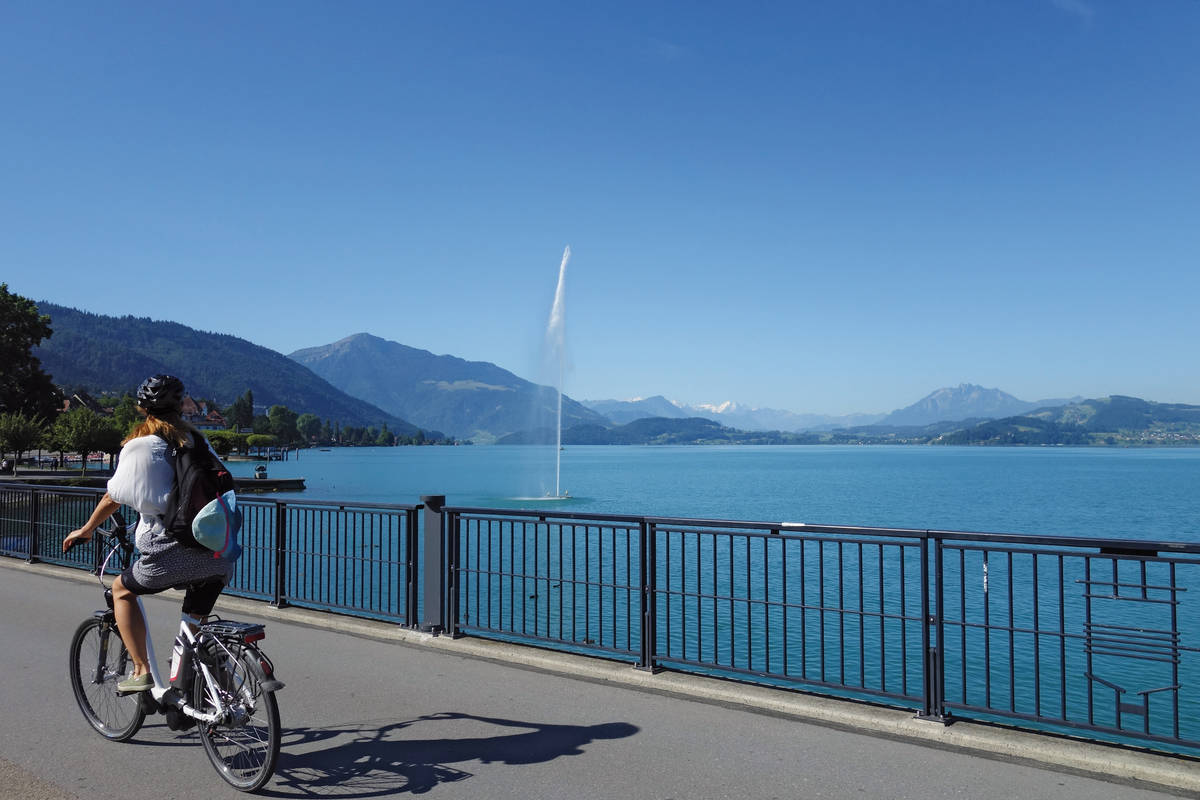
(118,535)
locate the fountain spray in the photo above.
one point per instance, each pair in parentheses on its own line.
(556,338)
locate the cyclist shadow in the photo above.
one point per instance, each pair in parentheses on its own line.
(375,762)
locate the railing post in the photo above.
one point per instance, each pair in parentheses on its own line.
(649,580)
(280,600)
(933,667)
(411,574)
(34,521)
(434,567)
(452,524)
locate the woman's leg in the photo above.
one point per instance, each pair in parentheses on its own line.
(131,625)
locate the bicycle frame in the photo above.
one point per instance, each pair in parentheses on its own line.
(223,682)
(163,693)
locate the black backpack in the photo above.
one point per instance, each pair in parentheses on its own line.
(199,479)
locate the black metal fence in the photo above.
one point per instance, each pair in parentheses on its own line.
(349,558)
(1093,638)
(1078,636)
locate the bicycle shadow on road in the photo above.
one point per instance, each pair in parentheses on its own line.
(383,759)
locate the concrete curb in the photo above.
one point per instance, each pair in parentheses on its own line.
(1177,774)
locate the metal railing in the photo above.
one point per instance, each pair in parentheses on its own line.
(349,558)
(1069,635)
(1085,637)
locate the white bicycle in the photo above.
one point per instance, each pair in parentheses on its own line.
(224,684)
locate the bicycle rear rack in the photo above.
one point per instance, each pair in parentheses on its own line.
(231,629)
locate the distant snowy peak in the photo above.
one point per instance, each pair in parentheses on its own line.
(728,413)
(720,408)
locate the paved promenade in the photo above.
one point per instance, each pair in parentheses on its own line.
(371,711)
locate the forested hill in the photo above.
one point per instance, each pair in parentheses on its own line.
(1116,420)
(115,354)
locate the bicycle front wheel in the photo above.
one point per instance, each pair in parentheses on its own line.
(98,661)
(245,745)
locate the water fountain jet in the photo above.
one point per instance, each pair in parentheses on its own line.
(557,346)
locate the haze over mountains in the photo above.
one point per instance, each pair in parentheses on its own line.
(366,380)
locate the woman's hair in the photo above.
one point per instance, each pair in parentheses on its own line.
(169,425)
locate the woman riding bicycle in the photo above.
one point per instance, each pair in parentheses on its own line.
(143,480)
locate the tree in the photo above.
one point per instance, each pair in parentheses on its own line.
(20,433)
(309,426)
(225,441)
(23,385)
(126,414)
(83,431)
(283,423)
(256,441)
(241,413)
(386,438)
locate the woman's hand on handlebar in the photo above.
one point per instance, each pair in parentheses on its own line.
(104,509)
(77,536)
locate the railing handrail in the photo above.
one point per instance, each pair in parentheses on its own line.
(251,497)
(1045,540)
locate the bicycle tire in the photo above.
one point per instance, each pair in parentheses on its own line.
(244,751)
(115,717)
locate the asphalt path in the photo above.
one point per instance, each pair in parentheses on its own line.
(364,718)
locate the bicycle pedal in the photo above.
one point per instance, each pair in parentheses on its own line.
(149,704)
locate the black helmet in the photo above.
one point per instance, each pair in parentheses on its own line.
(160,393)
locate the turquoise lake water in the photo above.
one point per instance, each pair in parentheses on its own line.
(1149,494)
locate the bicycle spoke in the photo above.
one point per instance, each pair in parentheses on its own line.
(244,745)
(113,716)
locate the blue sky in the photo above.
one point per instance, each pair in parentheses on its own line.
(823,207)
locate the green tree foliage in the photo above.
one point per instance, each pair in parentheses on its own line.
(83,431)
(1019,431)
(20,433)
(24,387)
(309,426)
(241,413)
(225,442)
(126,414)
(256,440)
(283,424)
(386,438)
(261,425)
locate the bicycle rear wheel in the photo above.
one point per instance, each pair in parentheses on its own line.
(98,661)
(245,746)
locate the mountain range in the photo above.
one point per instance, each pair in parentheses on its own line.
(115,354)
(729,414)
(467,399)
(962,402)
(365,380)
